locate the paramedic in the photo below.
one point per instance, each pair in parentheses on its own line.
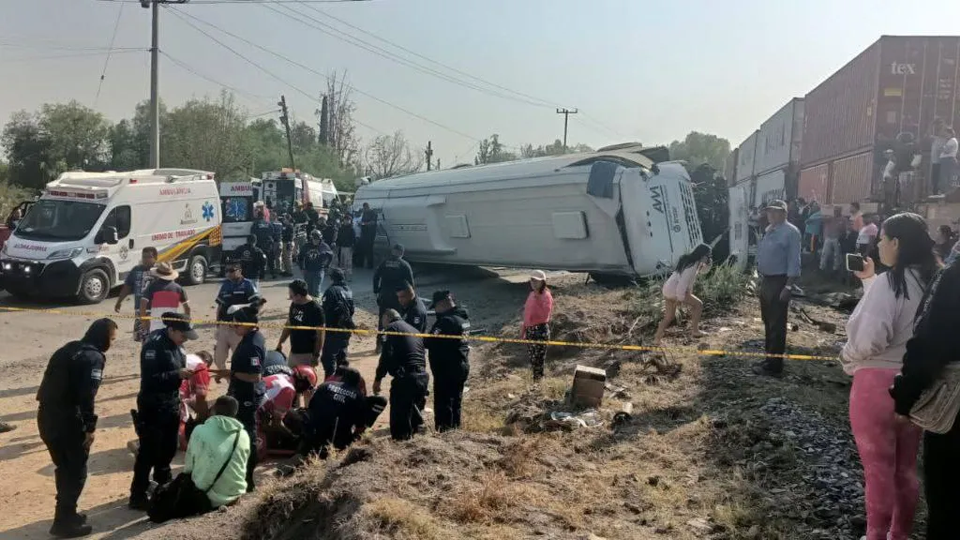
(337,414)
(236,290)
(67,420)
(246,377)
(338,310)
(163,365)
(194,408)
(403,358)
(449,360)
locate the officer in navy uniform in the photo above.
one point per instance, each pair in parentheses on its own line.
(391,275)
(252,259)
(412,308)
(163,365)
(449,360)
(246,378)
(264,232)
(67,420)
(403,357)
(338,310)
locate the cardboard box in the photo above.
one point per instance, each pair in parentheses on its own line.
(588,386)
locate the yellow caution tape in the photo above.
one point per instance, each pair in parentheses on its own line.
(482,339)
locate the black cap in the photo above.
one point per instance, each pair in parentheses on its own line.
(179,321)
(439,296)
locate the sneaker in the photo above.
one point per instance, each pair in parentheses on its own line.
(6,428)
(139,503)
(70,530)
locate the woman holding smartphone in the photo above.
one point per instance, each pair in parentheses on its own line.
(877,334)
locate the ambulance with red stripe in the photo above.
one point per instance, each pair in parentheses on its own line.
(85,233)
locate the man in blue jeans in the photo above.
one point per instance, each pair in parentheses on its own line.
(315,257)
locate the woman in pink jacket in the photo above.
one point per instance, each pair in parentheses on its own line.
(536,319)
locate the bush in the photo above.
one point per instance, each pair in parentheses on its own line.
(10,197)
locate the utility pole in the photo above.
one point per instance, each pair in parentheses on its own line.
(566,118)
(285,118)
(438,164)
(429,153)
(154,6)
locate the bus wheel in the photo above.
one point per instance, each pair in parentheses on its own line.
(197,270)
(94,287)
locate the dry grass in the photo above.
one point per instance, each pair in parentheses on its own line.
(494,495)
(402,520)
(520,457)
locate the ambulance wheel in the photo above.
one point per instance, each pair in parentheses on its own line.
(94,287)
(197,270)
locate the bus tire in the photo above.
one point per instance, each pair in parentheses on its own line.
(94,287)
(197,270)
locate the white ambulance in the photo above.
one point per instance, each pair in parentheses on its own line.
(85,233)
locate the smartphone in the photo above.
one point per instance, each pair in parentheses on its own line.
(855,262)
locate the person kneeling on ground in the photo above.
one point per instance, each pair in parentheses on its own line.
(215,467)
(194,408)
(281,395)
(338,414)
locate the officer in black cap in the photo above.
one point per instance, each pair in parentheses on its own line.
(67,421)
(391,275)
(338,310)
(246,377)
(404,358)
(163,365)
(449,360)
(412,308)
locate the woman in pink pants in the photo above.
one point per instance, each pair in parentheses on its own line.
(877,333)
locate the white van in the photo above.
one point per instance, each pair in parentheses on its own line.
(85,233)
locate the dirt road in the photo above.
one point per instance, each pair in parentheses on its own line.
(29,338)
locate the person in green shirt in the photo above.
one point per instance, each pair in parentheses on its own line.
(220,440)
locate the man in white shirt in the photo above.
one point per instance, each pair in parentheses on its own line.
(936,148)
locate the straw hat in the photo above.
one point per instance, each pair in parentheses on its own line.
(165,272)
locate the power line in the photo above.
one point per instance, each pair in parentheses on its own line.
(279,79)
(380,51)
(106,62)
(59,56)
(181,15)
(543,102)
(234,89)
(214,2)
(69,48)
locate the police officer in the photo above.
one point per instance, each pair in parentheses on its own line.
(275,363)
(449,360)
(163,365)
(338,309)
(263,230)
(67,421)
(403,358)
(315,257)
(246,377)
(391,275)
(287,245)
(412,308)
(276,234)
(252,259)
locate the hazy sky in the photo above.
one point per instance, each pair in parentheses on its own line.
(637,70)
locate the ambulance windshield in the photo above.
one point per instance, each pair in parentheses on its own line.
(59,221)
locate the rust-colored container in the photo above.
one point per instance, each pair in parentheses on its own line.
(852,178)
(814,183)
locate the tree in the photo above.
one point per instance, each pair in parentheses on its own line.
(699,148)
(555,149)
(77,135)
(324,121)
(491,150)
(711,195)
(390,155)
(27,149)
(341,130)
(207,135)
